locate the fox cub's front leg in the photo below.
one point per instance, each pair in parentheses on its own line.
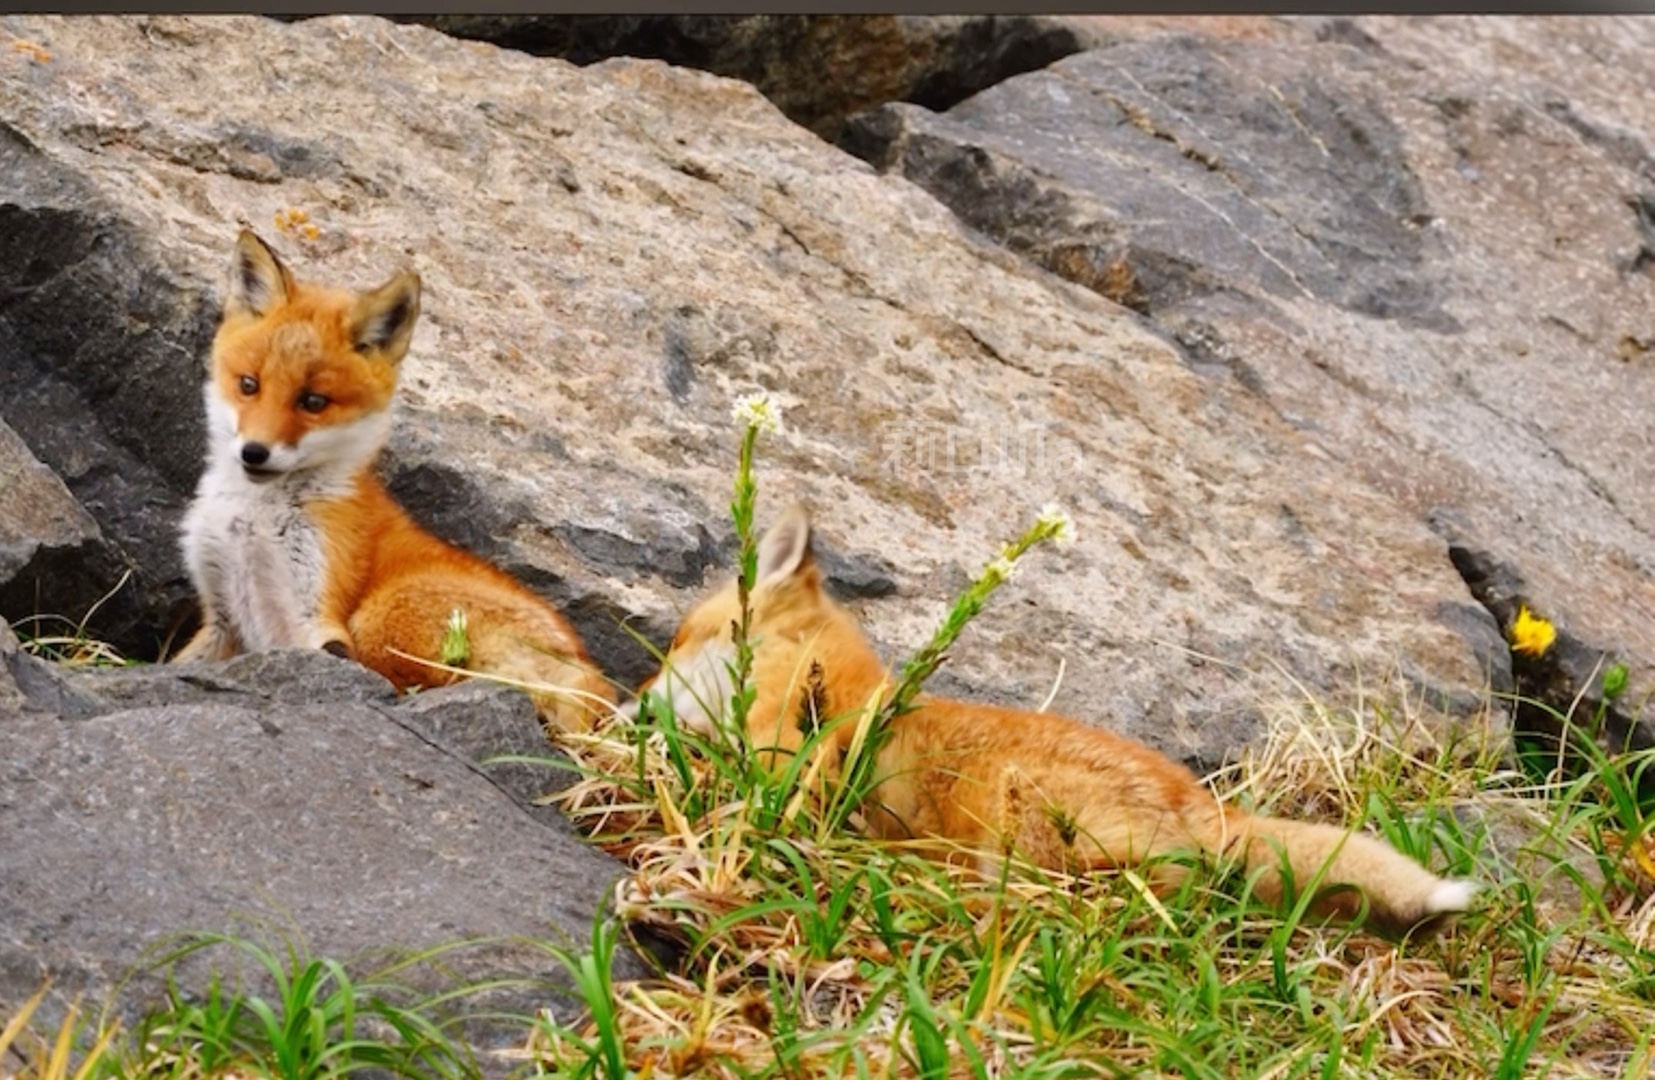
(212,642)
(330,635)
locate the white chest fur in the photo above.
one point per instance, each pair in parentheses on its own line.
(256,557)
(253,549)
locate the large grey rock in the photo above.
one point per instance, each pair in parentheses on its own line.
(818,69)
(284,796)
(1424,245)
(283,677)
(611,254)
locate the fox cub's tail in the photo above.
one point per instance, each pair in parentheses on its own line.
(1399,893)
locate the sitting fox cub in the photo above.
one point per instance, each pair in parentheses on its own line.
(1066,795)
(293,541)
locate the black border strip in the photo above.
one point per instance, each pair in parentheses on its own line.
(850,7)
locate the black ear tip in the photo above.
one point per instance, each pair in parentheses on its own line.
(399,315)
(251,251)
(385,317)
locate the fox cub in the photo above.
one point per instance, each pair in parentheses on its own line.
(1066,795)
(292,540)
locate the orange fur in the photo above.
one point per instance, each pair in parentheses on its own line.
(992,779)
(293,540)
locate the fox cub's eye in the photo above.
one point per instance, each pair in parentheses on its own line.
(312,403)
(249,385)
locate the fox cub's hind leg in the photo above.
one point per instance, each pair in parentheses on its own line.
(399,630)
(569,693)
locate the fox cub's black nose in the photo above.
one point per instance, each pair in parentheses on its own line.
(254,453)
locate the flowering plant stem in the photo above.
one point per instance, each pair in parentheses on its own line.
(755,413)
(1053,524)
(741,510)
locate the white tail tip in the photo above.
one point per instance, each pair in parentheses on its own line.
(1451,896)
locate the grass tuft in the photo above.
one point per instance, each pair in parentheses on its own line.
(319,1022)
(69,641)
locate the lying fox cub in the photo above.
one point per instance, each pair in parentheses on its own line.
(293,541)
(992,778)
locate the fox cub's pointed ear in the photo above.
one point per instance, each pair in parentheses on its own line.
(784,550)
(382,321)
(259,283)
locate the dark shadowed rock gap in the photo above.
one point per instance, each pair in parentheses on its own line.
(99,376)
(1557,699)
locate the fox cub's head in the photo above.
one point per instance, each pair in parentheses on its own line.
(302,376)
(789,611)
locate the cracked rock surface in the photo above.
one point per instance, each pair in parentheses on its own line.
(611,254)
(818,69)
(1423,243)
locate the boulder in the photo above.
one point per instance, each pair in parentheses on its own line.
(53,556)
(12,696)
(285,798)
(818,69)
(611,255)
(100,375)
(1426,246)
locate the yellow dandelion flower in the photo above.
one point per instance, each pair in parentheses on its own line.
(1530,634)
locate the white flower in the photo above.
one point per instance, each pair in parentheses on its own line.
(1062,526)
(758,411)
(1002,568)
(455,650)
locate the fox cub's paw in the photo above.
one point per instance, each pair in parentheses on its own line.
(333,638)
